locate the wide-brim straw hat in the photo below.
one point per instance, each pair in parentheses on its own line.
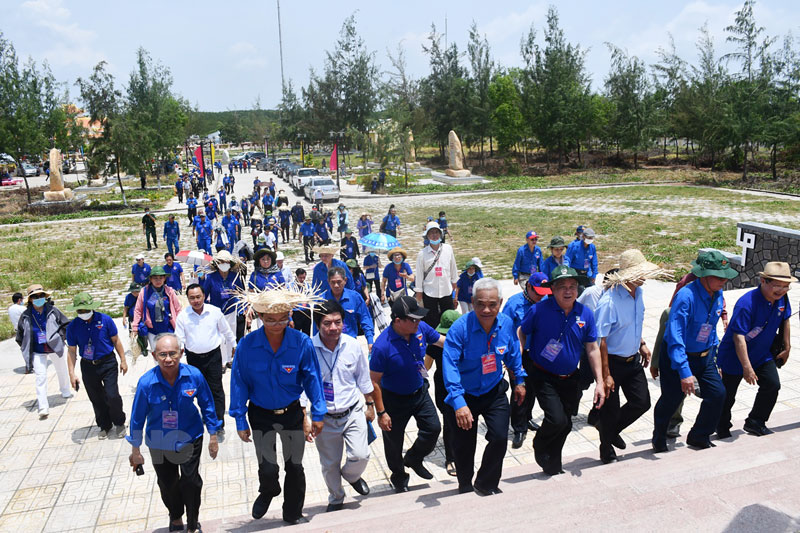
(633,266)
(779,271)
(275,298)
(397,250)
(329,249)
(36,289)
(225,256)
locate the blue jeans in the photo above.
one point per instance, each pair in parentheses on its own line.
(712,391)
(172,246)
(205,244)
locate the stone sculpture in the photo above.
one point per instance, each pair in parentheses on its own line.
(57,192)
(456,157)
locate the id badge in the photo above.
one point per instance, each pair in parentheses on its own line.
(488,363)
(703,334)
(398,283)
(753,333)
(89,350)
(370,275)
(552,349)
(423,372)
(169,419)
(534,270)
(41,337)
(327,390)
(438,271)
(586,264)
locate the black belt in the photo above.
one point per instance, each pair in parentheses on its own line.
(344,413)
(280,411)
(207,354)
(624,358)
(405,395)
(98,360)
(698,354)
(559,376)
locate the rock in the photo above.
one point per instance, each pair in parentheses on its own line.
(56,182)
(455,152)
(457,173)
(63,195)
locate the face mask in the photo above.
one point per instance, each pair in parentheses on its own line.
(435,241)
(443,218)
(39,302)
(85,316)
(372,254)
(397,261)
(470,274)
(224,267)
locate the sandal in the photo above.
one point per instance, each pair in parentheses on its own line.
(451,468)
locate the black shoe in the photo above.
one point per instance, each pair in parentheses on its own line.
(361,486)
(723,433)
(659,446)
(519,438)
(196,529)
(261,505)
(401,486)
(466,489)
(295,521)
(594,417)
(334,507)
(619,442)
(497,490)
(755,429)
(176,527)
(533,426)
(673,432)
(418,468)
(700,444)
(607,458)
(480,491)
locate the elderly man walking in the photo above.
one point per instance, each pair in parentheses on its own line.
(437,274)
(528,260)
(477,346)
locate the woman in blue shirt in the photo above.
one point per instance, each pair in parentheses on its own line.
(266,270)
(372,271)
(557,255)
(359,280)
(396,275)
(471,274)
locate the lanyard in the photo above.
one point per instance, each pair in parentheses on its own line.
(33,315)
(335,358)
(489,342)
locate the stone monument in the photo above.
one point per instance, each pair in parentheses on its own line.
(456,157)
(57,192)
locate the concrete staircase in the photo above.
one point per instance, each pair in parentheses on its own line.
(746,483)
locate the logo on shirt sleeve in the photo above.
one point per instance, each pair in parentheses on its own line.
(580,322)
(189,392)
(288,368)
(501,350)
(782,308)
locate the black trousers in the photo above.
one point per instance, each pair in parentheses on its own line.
(769,383)
(285,232)
(375,284)
(439,394)
(613,419)
(179,191)
(191,213)
(302,321)
(266,428)
(493,407)
(557,397)
(210,365)
(435,307)
(308,245)
(101,387)
(150,232)
(520,414)
(179,480)
(401,407)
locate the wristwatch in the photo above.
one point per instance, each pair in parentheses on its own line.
(381,413)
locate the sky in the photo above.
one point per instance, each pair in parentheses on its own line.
(225,55)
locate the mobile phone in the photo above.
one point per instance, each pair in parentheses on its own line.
(77,387)
(139,470)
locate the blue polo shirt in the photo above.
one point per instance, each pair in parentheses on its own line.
(285,216)
(527,261)
(154,396)
(39,326)
(172,230)
(141,274)
(391,222)
(356,313)
(307,229)
(350,247)
(758,321)
(582,257)
(472,360)
(174,275)
(371,270)
(515,309)
(393,281)
(259,280)
(619,319)
(298,214)
(691,309)
(547,323)
(230,224)
(96,333)
(464,285)
(399,360)
(550,263)
(191,203)
(319,276)
(130,303)
(273,380)
(204,230)
(322,231)
(219,291)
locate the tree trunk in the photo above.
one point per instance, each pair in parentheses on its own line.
(773,157)
(636,160)
(677,151)
(665,150)
(744,166)
(491,147)
(580,163)
(119,180)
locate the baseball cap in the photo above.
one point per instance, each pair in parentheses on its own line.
(536,280)
(532,235)
(579,229)
(279,256)
(588,234)
(139,256)
(407,307)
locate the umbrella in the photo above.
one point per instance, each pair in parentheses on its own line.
(193,257)
(379,241)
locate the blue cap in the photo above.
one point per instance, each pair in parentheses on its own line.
(579,229)
(536,280)
(530,234)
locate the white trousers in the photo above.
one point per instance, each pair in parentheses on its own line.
(464,307)
(225,348)
(349,433)
(40,368)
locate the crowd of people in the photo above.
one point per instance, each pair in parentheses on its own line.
(299,373)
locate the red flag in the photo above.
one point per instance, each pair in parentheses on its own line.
(334,158)
(198,153)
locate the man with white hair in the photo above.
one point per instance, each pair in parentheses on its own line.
(475,349)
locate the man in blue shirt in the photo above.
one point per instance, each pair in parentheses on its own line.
(319,277)
(245,207)
(285,217)
(174,430)
(174,272)
(516,307)
(691,342)
(140,271)
(399,376)
(179,189)
(95,335)
(560,328)
(528,259)
(232,229)
(172,234)
(356,312)
(477,346)
(619,317)
(745,347)
(298,216)
(204,230)
(582,255)
(391,223)
(274,365)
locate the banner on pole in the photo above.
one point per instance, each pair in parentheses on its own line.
(334,164)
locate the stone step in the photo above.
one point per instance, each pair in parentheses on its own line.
(745,483)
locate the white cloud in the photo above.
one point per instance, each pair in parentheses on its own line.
(514,25)
(245,56)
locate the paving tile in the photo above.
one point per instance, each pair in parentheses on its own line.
(79,492)
(121,509)
(38,497)
(46,475)
(29,521)
(74,516)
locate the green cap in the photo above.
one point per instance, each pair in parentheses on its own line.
(565,272)
(557,242)
(713,263)
(134,287)
(82,300)
(157,271)
(352,263)
(446,320)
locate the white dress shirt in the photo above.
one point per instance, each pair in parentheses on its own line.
(288,277)
(347,368)
(204,332)
(14,312)
(439,281)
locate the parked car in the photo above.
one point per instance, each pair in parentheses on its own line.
(265,163)
(254,156)
(328,187)
(28,170)
(303,176)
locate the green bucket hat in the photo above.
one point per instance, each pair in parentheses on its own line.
(134,287)
(157,271)
(565,272)
(446,320)
(713,263)
(82,300)
(557,242)
(352,263)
